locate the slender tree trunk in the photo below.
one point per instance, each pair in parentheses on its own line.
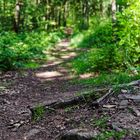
(17,17)
(4,7)
(114,8)
(4,14)
(101,7)
(65,13)
(87,13)
(94,9)
(85,18)
(37,2)
(59,18)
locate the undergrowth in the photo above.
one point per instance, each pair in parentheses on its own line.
(109,47)
(38,112)
(108,79)
(24,50)
(112,134)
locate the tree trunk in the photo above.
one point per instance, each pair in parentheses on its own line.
(65,13)
(114,8)
(101,7)
(17,17)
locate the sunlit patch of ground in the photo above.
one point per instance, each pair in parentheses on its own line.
(68,56)
(63,44)
(88,75)
(57,56)
(60,74)
(53,63)
(48,74)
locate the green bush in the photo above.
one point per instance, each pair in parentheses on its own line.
(128,32)
(101,36)
(16,50)
(101,55)
(95,60)
(105,79)
(7,50)
(112,46)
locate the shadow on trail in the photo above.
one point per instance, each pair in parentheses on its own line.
(52,81)
(55,69)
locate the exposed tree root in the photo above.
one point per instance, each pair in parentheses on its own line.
(62,103)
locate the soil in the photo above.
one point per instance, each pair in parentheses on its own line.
(52,81)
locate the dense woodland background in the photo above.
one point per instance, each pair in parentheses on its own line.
(109,29)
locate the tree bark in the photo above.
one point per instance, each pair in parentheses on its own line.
(17,17)
(114,8)
(101,7)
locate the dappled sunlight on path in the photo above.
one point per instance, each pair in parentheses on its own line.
(52,63)
(54,69)
(63,43)
(53,80)
(49,74)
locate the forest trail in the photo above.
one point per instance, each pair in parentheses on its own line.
(58,56)
(32,87)
(52,82)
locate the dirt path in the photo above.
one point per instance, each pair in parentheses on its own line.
(18,90)
(52,81)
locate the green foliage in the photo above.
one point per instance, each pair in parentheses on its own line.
(101,122)
(100,37)
(101,55)
(48,15)
(38,113)
(110,134)
(70,109)
(94,60)
(128,31)
(109,79)
(38,17)
(111,47)
(18,50)
(105,133)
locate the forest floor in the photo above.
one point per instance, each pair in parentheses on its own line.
(52,82)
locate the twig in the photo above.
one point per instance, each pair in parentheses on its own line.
(100,100)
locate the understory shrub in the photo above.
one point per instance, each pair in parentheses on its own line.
(112,46)
(18,49)
(101,52)
(98,35)
(128,32)
(95,60)
(102,36)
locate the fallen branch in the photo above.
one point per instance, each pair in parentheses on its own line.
(59,103)
(62,103)
(99,101)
